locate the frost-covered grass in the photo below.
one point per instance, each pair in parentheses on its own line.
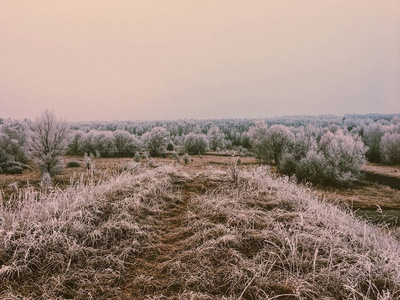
(272,239)
(78,242)
(161,234)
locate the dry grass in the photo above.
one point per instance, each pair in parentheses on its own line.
(272,239)
(78,242)
(363,194)
(158,233)
(392,171)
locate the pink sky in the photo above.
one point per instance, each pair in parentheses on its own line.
(120,60)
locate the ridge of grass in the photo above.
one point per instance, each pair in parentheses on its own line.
(159,233)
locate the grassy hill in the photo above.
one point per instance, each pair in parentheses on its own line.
(175,233)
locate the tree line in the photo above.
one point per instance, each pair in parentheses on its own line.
(322,149)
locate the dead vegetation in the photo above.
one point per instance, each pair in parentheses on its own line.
(163,233)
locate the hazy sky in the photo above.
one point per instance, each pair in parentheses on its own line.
(120,60)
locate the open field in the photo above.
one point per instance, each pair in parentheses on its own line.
(32,176)
(363,194)
(175,232)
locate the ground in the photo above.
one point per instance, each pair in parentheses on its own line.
(189,231)
(363,194)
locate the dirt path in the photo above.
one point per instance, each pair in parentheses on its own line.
(150,276)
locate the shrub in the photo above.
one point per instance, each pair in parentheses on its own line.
(312,167)
(125,144)
(12,167)
(13,140)
(279,139)
(175,156)
(270,143)
(75,143)
(336,160)
(372,138)
(156,140)
(73,164)
(103,144)
(186,158)
(215,138)
(13,170)
(390,148)
(136,158)
(196,143)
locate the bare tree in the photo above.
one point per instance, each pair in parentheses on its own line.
(49,142)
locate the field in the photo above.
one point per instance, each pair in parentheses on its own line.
(363,194)
(171,230)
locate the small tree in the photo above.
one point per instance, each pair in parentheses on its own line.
(215,138)
(390,148)
(48,142)
(156,140)
(13,140)
(136,158)
(196,143)
(372,138)
(259,141)
(126,144)
(336,161)
(279,138)
(186,158)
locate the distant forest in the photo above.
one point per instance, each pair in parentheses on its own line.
(303,146)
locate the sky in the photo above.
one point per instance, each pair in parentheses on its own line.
(164,60)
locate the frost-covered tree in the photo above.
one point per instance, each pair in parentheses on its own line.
(336,160)
(215,138)
(372,138)
(13,140)
(304,141)
(125,144)
(86,144)
(196,143)
(156,141)
(279,138)
(390,148)
(345,155)
(75,142)
(103,144)
(270,143)
(48,142)
(258,135)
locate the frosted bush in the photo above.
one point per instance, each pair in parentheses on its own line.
(186,158)
(279,139)
(156,140)
(103,143)
(136,158)
(196,143)
(13,140)
(372,138)
(259,141)
(215,138)
(390,148)
(270,143)
(336,159)
(125,144)
(314,167)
